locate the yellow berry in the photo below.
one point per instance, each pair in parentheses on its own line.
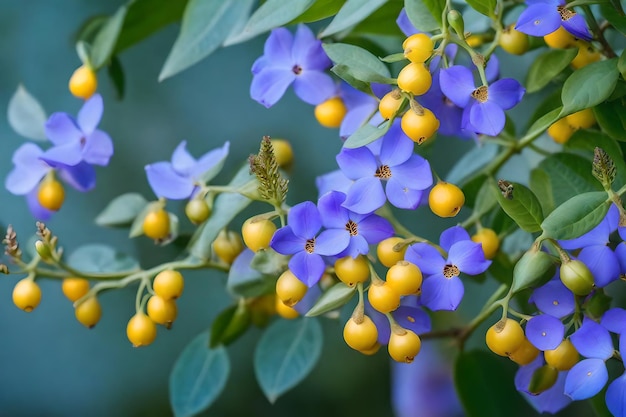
(351,270)
(156,224)
(289,289)
(386,255)
(585,56)
(83,82)
(257,234)
(383,297)
(489,240)
(285,311)
(560,39)
(141,330)
(514,41)
(415,78)
(560,131)
(524,354)
(419,125)
(227,246)
(583,119)
(197,210)
(331,112)
(26,295)
(51,194)
(162,311)
(404,346)
(390,104)
(75,288)
(505,337)
(564,357)
(283,152)
(89,312)
(360,336)
(169,284)
(446,199)
(418,47)
(371,350)
(405,277)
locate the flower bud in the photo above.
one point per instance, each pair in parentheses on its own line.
(456,22)
(534,268)
(43,250)
(576,277)
(543,379)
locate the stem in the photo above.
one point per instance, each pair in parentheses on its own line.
(593,24)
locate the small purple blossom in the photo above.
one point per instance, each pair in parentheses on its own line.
(545,332)
(483,107)
(543,17)
(299,60)
(180,178)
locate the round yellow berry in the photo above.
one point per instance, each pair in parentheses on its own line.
(51,195)
(560,39)
(585,56)
(404,345)
(560,131)
(383,297)
(285,311)
(89,312)
(331,112)
(405,277)
(141,330)
(418,47)
(26,295)
(162,311)
(351,270)
(197,210)
(360,336)
(390,104)
(419,125)
(257,234)
(489,240)
(514,41)
(524,354)
(83,82)
(156,224)
(169,284)
(505,337)
(446,199)
(283,152)
(583,119)
(75,288)
(289,289)
(564,357)
(386,253)
(415,78)
(227,246)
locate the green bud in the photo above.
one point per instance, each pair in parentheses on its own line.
(597,305)
(533,269)
(43,250)
(455,20)
(197,210)
(543,379)
(576,277)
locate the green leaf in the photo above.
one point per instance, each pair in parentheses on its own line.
(378,22)
(588,140)
(352,12)
(106,39)
(360,77)
(569,175)
(485,199)
(271,14)
(245,281)
(548,104)
(485,7)
(357,62)
(621,64)
(472,162)
(576,216)
(269,262)
(286,354)
(589,86)
(116,74)
(612,119)
(479,375)
(618,20)
(26,116)
(397,57)
(366,134)
(522,206)
(101,258)
(225,208)
(420,15)
(544,122)
(542,187)
(198,377)
(229,325)
(122,210)
(335,297)
(206,24)
(321,9)
(547,66)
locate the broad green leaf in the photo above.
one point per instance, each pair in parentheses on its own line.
(206,24)
(472,162)
(335,297)
(321,9)
(472,187)
(378,22)
(225,208)
(611,117)
(621,64)
(544,122)
(229,325)
(245,281)
(116,74)
(122,210)
(485,7)
(588,140)
(547,66)
(522,206)
(360,62)
(420,15)
(270,15)
(352,12)
(485,199)
(26,116)
(618,20)
(360,77)
(198,377)
(366,134)
(436,8)
(106,39)
(542,187)
(145,17)
(589,86)
(576,216)
(548,104)
(101,258)
(286,354)
(569,175)
(479,375)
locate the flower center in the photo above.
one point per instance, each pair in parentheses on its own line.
(83,141)
(352,228)
(481,94)
(309,246)
(450,271)
(297,69)
(566,14)
(383,172)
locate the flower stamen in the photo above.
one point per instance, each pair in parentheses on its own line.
(352,228)
(309,246)
(450,271)
(481,94)
(383,172)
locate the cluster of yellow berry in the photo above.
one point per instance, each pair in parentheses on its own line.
(562,39)
(563,129)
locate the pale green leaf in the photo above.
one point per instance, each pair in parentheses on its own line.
(26,116)
(352,12)
(106,39)
(335,297)
(122,210)
(576,216)
(547,66)
(589,86)
(99,258)
(420,15)
(366,134)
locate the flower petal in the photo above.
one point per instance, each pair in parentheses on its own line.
(413,318)
(81,177)
(69,154)
(22,180)
(90,114)
(314,87)
(278,47)
(577,26)
(61,129)
(586,379)
(98,148)
(305,220)
(457,83)
(396,146)
(539,19)
(332,242)
(357,246)
(427,258)
(486,118)
(616,396)
(554,298)
(165,182)
(592,340)
(333,214)
(182,161)
(286,242)
(551,400)
(375,229)
(506,93)
(365,196)
(451,236)
(602,263)
(308,267)
(441,293)
(405,24)
(210,160)
(357,163)
(414,173)
(614,320)
(469,257)
(401,196)
(307,51)
(545,332)
(333,181)
(269,85)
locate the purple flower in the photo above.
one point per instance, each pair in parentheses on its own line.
(543,17)
(300,239)
(78,140)
(361,230)
(483,107)
(551,400)
(616,396)
(362,108)
(554,298)
(180,178)
(288,59)
(405,174)
(443,289)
